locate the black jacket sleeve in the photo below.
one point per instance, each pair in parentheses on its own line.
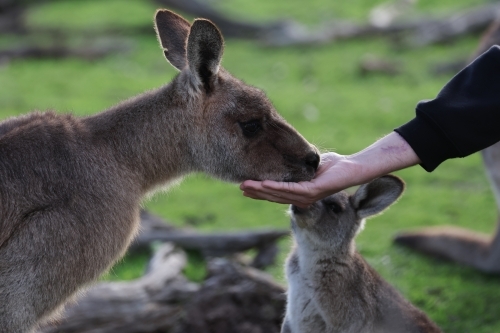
(463,119)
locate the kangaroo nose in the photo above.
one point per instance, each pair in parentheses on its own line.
(312,160)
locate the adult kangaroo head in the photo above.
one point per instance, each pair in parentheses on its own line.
(233,130)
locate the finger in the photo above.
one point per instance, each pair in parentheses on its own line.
(252,196)
(282,192)
(297,201)
(259,190)
(301,188)
(261,196)
(330,157)
(281,201)
(321,169)
(251,184)
(325,165)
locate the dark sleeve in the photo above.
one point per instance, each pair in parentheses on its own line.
(463,119)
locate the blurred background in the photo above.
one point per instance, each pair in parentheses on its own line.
(343,73)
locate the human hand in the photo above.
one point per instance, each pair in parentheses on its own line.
(335,173)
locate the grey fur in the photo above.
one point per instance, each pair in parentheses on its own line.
(174,42)
(71,187)
(331,287)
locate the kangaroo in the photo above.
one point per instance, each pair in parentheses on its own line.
(332,289)
(71,187)
(457,244)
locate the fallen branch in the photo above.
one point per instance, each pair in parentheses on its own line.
(449,67)
(446,29)
(12,21)
(56,52)
(149,304)
(12,15)
(232,299)
(490,37)
(371,64)
(229,27)
(217,244)
(279,33)
(418,32)
(235,299)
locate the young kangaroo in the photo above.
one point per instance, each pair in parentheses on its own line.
(71,187)
(332,289)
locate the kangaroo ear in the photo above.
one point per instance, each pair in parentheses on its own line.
(204,51)
(172,32)
(373,198)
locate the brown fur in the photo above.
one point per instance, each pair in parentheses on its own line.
(71,187)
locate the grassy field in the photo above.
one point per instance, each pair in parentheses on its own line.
(320,92)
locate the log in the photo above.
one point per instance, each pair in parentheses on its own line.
(152,303)
(12,15)
(215,244)
(12,21)
(273,33)
(232,299)
(419,32)
(473,20)
(58,52)
(489,38)
(229,27)
(449,67)
(235,299)
(279,33)
(371,64)
(151,225)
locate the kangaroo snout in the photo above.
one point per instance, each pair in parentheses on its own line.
(297,210)
(302,167)
(304,217)
(312,160)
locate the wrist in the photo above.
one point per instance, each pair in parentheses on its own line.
(362,168)
(389,154)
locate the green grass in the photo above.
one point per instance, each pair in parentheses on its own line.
(350,112)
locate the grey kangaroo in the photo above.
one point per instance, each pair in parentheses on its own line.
(332,289)
(71,187)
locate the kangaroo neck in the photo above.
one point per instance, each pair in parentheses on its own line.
(149,134)
(310,254)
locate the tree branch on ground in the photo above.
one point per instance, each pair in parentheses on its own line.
(279,33)
(489,38)
(422,31)
(215,244)
(231,299)
(151,303)
(57,52)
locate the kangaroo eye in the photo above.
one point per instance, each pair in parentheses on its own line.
(250,128)
(335,207)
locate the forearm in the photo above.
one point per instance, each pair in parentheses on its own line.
(389,154)
(462,119)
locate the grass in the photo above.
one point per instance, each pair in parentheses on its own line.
(319,91)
